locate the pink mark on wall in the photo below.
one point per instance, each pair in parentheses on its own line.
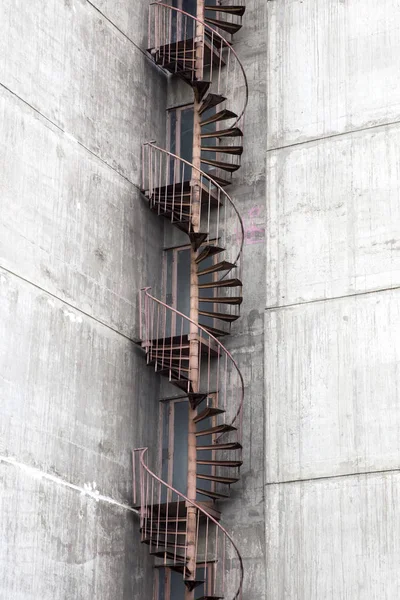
(253,233)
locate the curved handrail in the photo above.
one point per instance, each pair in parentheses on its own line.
(225,42)
(216,340)
(219,187)
(200,509)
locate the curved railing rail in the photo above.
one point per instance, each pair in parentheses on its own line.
(163,177)
(219,373)
(173,34)
(163,526)
(184,350)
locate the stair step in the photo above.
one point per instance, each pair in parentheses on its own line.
(232,10)
(222,115)
(191,584)
(196,239)
(196,398)
(222,182)
(182,384)
(200,87)
(234,300)
(235,150)
(219,164)
(225,25)
(215,332)
(210,411)
(227,446)
(211,598)
(217,478)
(210,101)
(221,283)
(209,250)
(220,133)
(220,463)
(210,494)
(224,265)
(216,315)
(217,429)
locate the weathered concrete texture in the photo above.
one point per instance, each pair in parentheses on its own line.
(333,67)
(73,402)
(336,539)
(70,224)
(332,373)
(334,217)
(57,544)
(130,17)
(77,100)
(84,76)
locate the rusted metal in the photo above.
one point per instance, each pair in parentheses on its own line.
(178,529)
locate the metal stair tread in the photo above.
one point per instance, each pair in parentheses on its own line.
(223,428)
(224,265)
(210,101)
(221,316)
(225,25)
(221,283)
(209,250)
(220,133)
(210,411)
(211,494)
(220,463)
(234,300)
(223,446)
(218,478)
(214,331)
(222,115)
(233,10)
(219,164)
(234,150)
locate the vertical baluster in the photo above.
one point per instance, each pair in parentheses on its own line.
(206,559)
(225,380)
(159,514)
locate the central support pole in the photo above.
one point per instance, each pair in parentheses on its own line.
(194,304)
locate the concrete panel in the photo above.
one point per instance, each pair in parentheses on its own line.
(76,397)
(81,73)
(336,539)
(334,217)
(130,17)
(332,387)
(333,67)
(57,544)
(71,224)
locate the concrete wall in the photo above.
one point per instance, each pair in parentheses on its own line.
(77,99)
(332,339)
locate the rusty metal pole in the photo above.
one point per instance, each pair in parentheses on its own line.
(194,303)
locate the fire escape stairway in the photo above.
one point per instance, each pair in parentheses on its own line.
(172,186)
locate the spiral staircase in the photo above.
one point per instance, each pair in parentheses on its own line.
(183,530)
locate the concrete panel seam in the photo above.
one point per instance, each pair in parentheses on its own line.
(328,477)
(127,37)
(69,136)
(86,314)
(332,298)
(88,489)
(334,135)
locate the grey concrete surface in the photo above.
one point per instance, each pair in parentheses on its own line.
(336,538)
(334,217)
(78,97)
(332,301)
(333,67)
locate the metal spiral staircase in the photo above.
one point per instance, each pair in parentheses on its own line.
(182,531)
